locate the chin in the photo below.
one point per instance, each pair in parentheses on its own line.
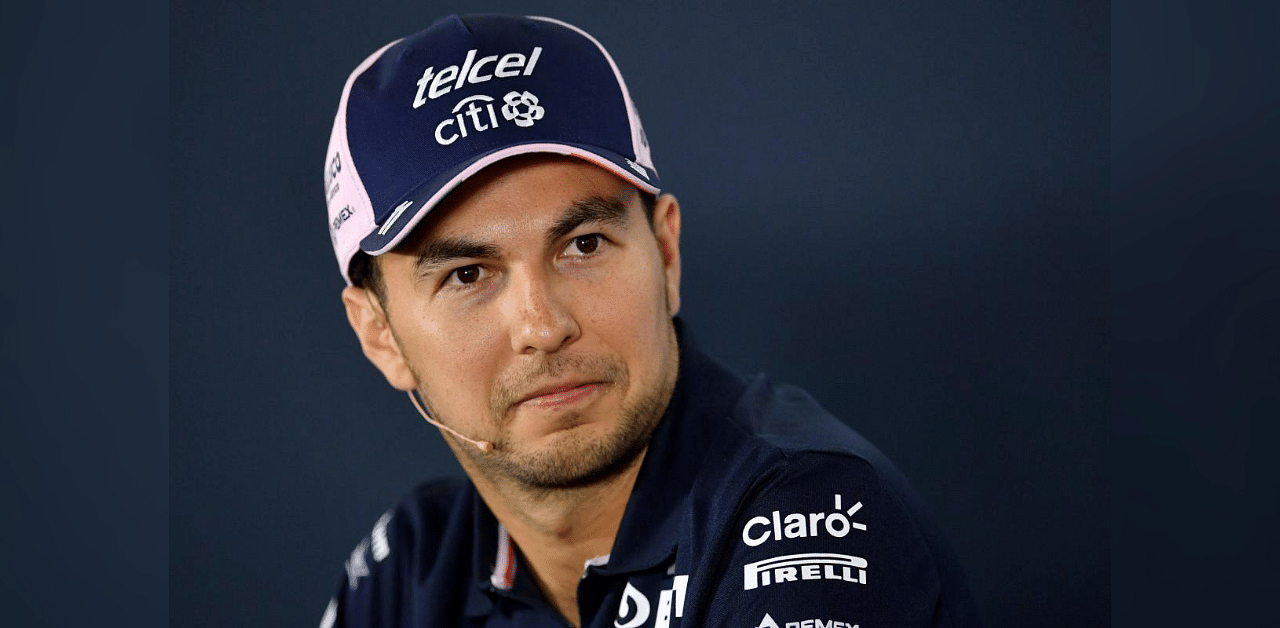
(580,455)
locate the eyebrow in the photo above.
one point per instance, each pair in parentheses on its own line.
(439,252)
(597,209)
(610,211)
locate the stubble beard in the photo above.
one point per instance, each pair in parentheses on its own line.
(579,460)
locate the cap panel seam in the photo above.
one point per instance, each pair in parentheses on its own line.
(639,147)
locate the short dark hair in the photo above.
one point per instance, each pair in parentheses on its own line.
(364,271)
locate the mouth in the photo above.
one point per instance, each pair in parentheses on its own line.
(561,395)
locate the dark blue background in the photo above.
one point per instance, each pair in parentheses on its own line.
(902,207)
(84,314)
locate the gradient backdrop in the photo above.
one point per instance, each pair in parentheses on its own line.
(902,207)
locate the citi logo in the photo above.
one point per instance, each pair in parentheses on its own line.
(796,567)
(797,525)
(522,108)
(437,84)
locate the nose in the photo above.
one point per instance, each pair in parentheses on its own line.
(541,320)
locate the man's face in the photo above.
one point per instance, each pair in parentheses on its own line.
(534,310)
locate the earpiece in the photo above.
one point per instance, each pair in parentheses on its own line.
(483,445)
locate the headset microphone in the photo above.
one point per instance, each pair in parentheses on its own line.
(483,445)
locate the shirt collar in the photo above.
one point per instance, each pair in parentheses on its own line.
(484,556)
(495,565)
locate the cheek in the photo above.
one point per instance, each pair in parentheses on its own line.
(454,357)
(628,308)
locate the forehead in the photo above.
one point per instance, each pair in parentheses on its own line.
(522,192)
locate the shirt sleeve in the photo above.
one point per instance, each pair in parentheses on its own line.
(821,541)
(368,594)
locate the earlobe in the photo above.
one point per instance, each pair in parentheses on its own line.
(369,322)
(666,227)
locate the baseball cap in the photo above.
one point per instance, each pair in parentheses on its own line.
(425,112)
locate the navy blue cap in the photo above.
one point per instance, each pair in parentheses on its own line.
(425,112)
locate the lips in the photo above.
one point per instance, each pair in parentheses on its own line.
(560,394)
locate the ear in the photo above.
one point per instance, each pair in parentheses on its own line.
(666,227)
(370,323)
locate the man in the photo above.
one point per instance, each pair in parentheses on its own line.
(514,267)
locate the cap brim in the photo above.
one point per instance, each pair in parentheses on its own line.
(418,203)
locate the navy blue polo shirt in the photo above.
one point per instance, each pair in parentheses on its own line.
(753,508)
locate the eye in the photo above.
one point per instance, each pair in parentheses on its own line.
(466,274)
(584,245)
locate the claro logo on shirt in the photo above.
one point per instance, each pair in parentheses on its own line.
(799,525)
